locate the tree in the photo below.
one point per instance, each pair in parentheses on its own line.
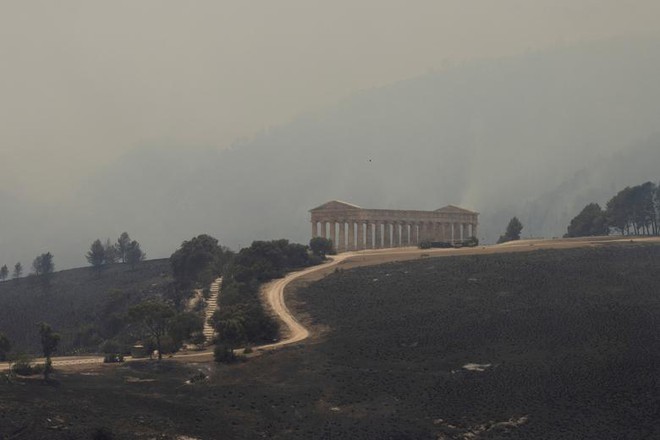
(123,243)
(589,222)
(643,209)
(199,261)
(134,254)
(231,331)
(183,325)
(18,270)
(5,347)
(321,246)
(111,252)
(619,211)
(512,231)
(154,318)
(96,255)
(43,264)
(4,272)
(49,342)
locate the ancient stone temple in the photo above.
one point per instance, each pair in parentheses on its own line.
(353,228)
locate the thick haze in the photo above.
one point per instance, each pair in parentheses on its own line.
(120,115)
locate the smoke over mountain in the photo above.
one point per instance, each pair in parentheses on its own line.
(537,136)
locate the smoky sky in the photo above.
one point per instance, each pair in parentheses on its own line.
(84,82)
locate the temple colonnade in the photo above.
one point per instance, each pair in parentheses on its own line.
(350,227)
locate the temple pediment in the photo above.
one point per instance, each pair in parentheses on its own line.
(335,205)
(452,209)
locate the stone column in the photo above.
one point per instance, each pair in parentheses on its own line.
(351,236)
(414,234)
(370,235)
(324,229)
(387,243)
(360,236)
(378,236)
(314,229)
(474,229)
(405,234)
(342,236)
(395,234)
(396,239)
(333,232)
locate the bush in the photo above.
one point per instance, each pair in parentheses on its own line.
(198,339)
(113,358)
(198,378)
(425,245)
(224,354)
(39,368)
(22,366)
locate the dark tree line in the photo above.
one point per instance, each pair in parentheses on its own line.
(632,211)
(125,250)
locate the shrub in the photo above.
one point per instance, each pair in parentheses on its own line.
(40,368)
(198,378)
(224,354)
(113,358)
(425,245)
(22,365)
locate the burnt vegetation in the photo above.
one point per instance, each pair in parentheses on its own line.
(567,341)
(88,310)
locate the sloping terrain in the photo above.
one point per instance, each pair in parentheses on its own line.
(565,340)
(83,305)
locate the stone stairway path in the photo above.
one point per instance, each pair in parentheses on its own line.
(211,307)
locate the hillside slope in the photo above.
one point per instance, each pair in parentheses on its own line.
(566,341)
(85,307)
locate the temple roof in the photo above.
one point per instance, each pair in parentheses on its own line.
(335,205)
(453,209)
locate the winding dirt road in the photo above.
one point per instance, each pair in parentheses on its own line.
(273,293)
